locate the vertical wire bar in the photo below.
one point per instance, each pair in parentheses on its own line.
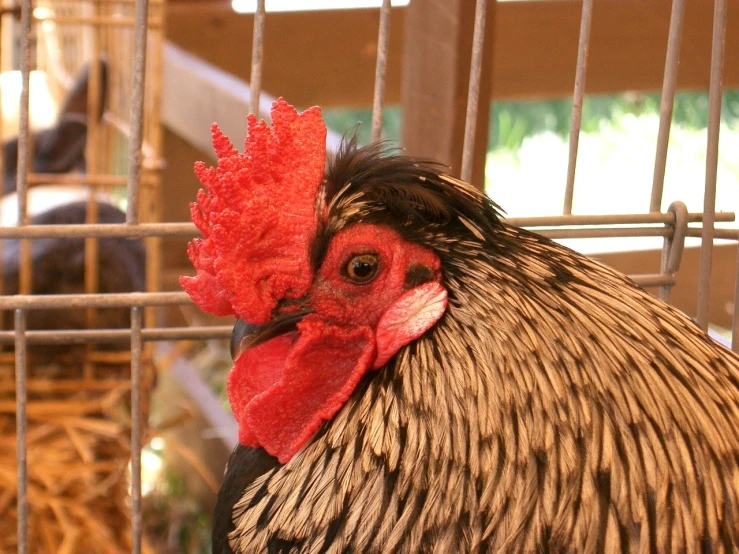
(21,396)
(257,50)
(2,159)
(136,350)
(383,37)
(154,140)
(473,93)
(95,106)
(137,110)
(665,291)
(25,284)
(669,85)
(580,74)
(714,124)
(735,319)
(24,145)
(666,103)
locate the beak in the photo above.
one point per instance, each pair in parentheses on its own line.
(245,335)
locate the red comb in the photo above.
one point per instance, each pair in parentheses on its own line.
(258,216)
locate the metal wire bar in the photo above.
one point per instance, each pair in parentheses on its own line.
(613,232)
(24,143)
(709,201)
(91,179)
(136,119)
(113,21)
(136,350)
(473,92)
(378,101)
(654,280)
(110,300)
(108,230)
(612,219)
(110,336)
(726,234)
(735,319)
(666,103)
(257,55)
(21,397)
(101,230)
(25,282)
(577,100)
(23,132)
(674,246)
(157,3)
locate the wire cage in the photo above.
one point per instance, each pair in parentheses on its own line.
(69,407)
(125,150)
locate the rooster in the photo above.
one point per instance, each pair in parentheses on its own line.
(414,375)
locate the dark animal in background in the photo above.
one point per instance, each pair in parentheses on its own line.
(58,263)
(413,375)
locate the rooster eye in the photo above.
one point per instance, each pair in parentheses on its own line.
(362,268)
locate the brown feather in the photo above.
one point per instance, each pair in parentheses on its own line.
(556,407)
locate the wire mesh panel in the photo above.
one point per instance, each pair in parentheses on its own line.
(88,405)
(72,413)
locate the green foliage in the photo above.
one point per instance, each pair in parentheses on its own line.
(512,122)
(342,120)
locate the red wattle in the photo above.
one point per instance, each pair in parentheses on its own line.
(254,372)
(281,391)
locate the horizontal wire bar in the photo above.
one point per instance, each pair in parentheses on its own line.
(100,230)
(110,300)
(154,23)
(109,336)
(91,179)
(609,232)
(43,384)
(718,233)
(654,280)
(612,219)
(104,230)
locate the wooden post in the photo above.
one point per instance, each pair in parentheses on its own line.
(436,70)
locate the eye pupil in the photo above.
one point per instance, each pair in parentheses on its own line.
(362,268)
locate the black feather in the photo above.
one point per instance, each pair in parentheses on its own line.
(244,466)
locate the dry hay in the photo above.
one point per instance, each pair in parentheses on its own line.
(79,446)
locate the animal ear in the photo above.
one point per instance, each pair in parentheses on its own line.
(60,149)
(75,105)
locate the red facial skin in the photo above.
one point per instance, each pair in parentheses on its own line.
(282,390)
(340,301)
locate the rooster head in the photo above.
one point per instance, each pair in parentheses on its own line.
(323,293)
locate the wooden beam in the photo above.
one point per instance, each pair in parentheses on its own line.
(436,81)
(198,93)
(328,57)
